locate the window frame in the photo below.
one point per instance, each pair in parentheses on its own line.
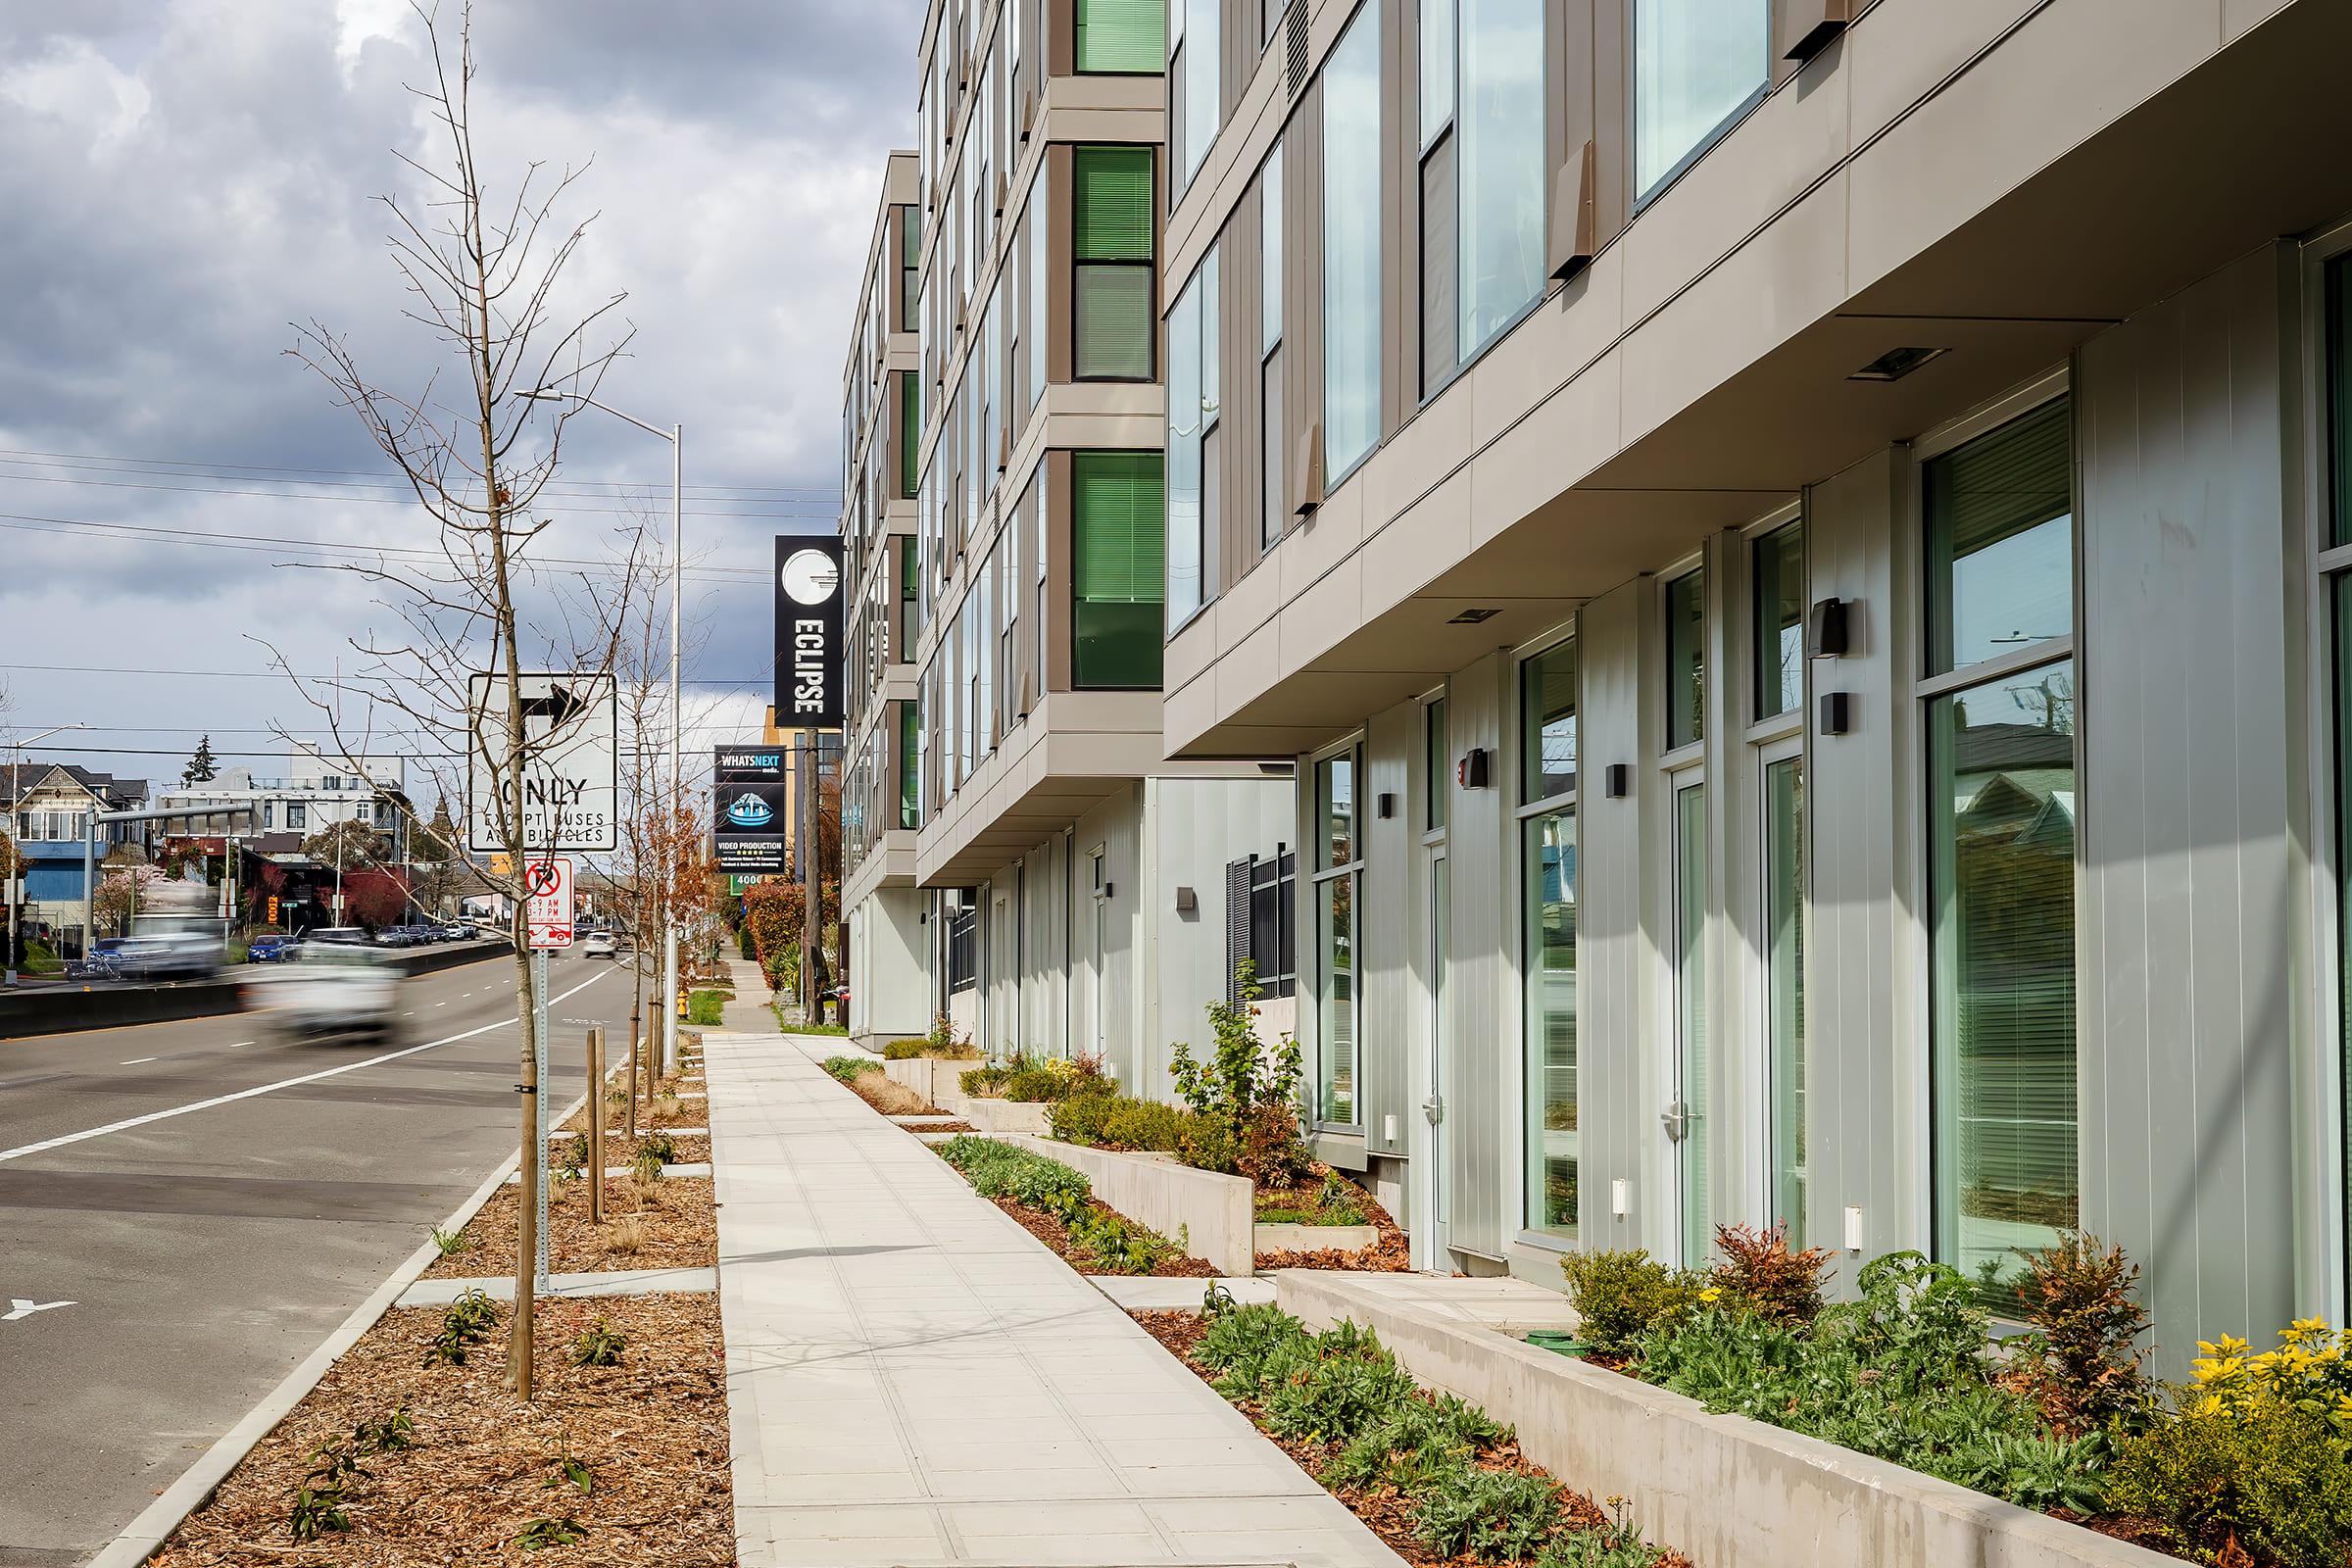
(1526,809)
(1153,367)
(1318,876)
(1706,143)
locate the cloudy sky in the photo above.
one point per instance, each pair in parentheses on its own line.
(182,179)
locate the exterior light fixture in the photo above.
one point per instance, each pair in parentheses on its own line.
(1471,773)
(1472,617)
(1826,629)
(1388,805)
(1895,364)
(1836,713)
(1619,781)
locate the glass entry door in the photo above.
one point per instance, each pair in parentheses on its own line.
(1687,1120)
(1440,921)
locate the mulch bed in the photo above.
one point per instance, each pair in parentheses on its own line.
(1391,1254)
(1384,1510)
(661,1113)
(621,1149)
(483,1465)
(1049,1230)
(677,1215)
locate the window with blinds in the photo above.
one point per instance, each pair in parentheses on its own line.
(1118,521)
(910,430)
(2001,541)
(1121,37)
(1113,308)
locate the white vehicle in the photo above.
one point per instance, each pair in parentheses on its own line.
(599,945)
(332,989)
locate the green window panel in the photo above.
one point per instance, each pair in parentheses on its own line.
(1121,37)
(1117,566)
(1114,311)
(910,430)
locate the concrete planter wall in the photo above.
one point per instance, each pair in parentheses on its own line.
(1210,1211)
(1724,1491)
(1288,1238)
(940,1083)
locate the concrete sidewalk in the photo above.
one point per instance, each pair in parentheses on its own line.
(913,1379)
(748,1012)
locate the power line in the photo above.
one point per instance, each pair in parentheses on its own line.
(282,674)
(816,514)
(20,457)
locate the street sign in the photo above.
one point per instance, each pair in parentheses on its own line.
(571,764)
(273,909)
(547,895)
(809,632)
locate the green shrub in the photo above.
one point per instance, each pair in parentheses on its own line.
(903,1050)
(600,1346)
(1241,1341)
(743,942)
(1000,1170)
(1621,1295)
(1351,1383)
(848,1069)
(467,1323)
(706,1007)
(1412,1442)
(2275,1479)
(1615,1543)
(661,1146)
(40,958)
(984,1083)
(1487,1515)
(1036,1085)
(1249,1094)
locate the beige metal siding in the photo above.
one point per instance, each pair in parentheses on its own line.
(1481,979)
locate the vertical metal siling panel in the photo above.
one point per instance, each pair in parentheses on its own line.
(1618,1089)
(1866,1045)
(1383,1026)
(2197,985)
(1481,1152)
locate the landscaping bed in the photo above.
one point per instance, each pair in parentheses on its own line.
(671,1223)
(480,1469)
(1437,1480)
(1056,1204)
(866,1078)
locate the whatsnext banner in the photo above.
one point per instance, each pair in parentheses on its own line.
(748,790)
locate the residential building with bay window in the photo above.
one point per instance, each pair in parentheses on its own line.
(1797,552)
(1019,854)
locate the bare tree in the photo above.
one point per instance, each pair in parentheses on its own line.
(482,268)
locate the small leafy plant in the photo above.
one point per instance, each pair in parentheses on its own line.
(315,1511)
(647,1166)
(449,1243)
(571,1470)
(847,1069)
(2081,1363)
(1621,1295)
(661,1146)
(470,1320)
(600,1346)
(1760,1274)
(543,1533)
(573,1159)
(386,1435)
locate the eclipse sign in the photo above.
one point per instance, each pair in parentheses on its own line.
(808,631)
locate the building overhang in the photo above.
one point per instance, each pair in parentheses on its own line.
(1700,371)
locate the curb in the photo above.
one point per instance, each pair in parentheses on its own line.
(145,1535)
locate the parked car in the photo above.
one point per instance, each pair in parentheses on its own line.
(271,947)
(457,931)
(347,935)
(599,945)
(404,935)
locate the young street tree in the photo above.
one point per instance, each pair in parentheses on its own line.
(203,768)
(482,264)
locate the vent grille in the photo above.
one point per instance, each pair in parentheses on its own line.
(1294,47)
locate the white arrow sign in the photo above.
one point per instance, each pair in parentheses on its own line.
(571,782)
(21,1307)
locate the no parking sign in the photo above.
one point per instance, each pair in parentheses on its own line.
(547,895)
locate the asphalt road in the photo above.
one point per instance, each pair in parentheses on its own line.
(206,1251)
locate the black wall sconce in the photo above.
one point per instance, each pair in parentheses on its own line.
(1472,771)
(1617,780)
(1387,805)
(1836,713)
(1826,629)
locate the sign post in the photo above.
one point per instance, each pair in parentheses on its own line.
(596,1124)
(547,889)
(539,1281)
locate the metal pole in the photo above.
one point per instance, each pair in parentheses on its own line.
(677,724)
(811,917)
(527,1227)
(89,884)
(636,988)
(596,1124)
(539,1112)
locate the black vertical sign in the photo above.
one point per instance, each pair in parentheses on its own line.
(808,633)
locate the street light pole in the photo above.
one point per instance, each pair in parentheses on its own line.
(675,435)
(16,877)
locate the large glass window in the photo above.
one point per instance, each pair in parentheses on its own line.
(1785,986)
(910,260)
(1547,723)
(1191,418)
(1696,64)
(1117,519)
(1549,878)
(1437,785)
(1274,432)
(1121,37)
(1038,271)
(1692,891)
(1500,189)
(1338,879)
(1779,560)
(2338,329)
(1114,317)
(910,762)
(2001,871)
(1351,243)
(910,430)
(1685,660)
(2003,808)
(1192,83)
(2001,541)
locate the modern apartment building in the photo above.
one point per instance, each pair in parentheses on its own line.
(1020,853)
(1799,550)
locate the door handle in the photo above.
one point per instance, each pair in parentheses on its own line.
(1434,1107)
(1676,1119)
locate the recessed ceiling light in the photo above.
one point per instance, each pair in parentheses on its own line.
(1895,364)
(1471,618)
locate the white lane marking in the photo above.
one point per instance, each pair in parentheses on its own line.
(127,1123)
(240,1044)
(444,1005)
(135,1060)
(21,1307)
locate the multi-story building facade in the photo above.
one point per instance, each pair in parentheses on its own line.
(1021,855)
(45,807)
(313,794)
(1794,545)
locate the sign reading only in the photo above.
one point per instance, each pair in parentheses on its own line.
(571,784)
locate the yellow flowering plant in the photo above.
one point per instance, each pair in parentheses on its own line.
(2310,1370)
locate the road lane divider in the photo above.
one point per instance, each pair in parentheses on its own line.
(129,1122)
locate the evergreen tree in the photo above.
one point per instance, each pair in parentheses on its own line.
(203,768)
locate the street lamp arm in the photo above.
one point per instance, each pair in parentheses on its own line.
(553,395)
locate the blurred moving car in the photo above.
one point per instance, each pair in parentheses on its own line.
(331,990)
(599,945)
(166,955)
(404,935)
(271,947)
(350,936)
(457,931)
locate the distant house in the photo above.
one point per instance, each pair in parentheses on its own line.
(47,807)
